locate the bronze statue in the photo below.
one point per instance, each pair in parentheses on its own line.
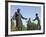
(18,17)
(38,24)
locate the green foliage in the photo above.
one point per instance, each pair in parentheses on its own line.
(32,26)
(23,28)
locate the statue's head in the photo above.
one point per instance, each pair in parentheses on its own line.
(18,10)
(36,14)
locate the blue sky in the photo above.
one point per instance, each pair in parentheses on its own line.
(27,11)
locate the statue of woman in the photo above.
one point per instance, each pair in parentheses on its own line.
(18,18)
